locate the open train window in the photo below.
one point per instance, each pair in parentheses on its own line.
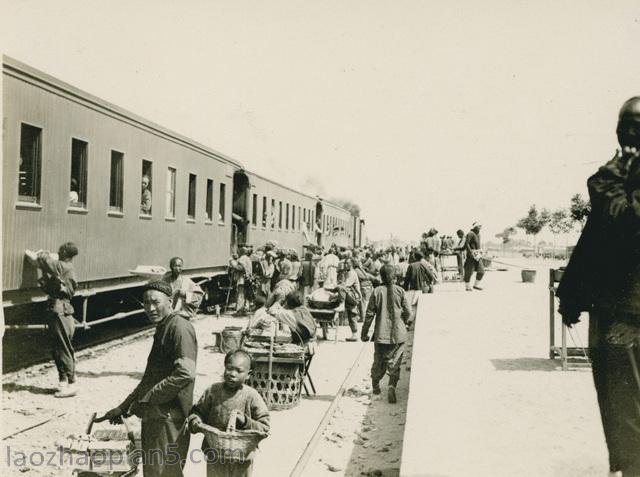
(209,208)
(78,182)
(273,213)
(286,223)
(191,200)
(280,214)
(171,193)
(146,187)
(254,210)
(264,211)
(116,181)
(293,217)
(222,198)
(30,164)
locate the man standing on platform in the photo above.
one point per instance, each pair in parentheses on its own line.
(389,308)
(164,396)
(473,262)
(603,278)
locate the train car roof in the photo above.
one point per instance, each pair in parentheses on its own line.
(17,69)
(313,197)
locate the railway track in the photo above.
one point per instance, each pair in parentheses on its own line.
(25,348)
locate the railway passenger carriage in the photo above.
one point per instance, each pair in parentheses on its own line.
(72,170)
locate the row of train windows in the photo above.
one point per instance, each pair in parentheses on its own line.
(29,175)
(328,224)
(284,215)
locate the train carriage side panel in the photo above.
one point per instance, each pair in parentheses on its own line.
(109,243)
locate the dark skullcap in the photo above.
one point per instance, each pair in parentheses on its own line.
(160,286)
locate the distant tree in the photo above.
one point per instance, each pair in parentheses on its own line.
(560,222)
(506,234)
(579,210)
(534,222)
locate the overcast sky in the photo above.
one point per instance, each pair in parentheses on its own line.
(425,113)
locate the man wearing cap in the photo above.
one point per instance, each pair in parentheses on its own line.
(59,283)
(187,296)
(164,396)
(473,262)
(603,278)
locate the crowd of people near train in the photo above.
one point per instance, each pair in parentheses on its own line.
(378,287)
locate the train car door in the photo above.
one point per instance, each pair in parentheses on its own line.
(240,210)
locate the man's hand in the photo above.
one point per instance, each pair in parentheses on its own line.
(194,424)
(241,420)
(570,315)
(364,338)
(114,416)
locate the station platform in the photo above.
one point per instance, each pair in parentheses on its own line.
(485,399)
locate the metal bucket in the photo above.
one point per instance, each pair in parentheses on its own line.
(230,338)
(528,276)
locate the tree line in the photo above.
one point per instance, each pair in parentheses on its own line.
(560,221)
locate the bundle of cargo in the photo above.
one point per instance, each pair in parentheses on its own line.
(323,299)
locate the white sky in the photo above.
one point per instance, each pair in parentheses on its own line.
(425,113)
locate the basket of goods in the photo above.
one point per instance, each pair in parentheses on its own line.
(278,372)
(232,445)
(322,299)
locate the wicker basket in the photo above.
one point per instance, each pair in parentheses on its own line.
(232,445)
(286,383)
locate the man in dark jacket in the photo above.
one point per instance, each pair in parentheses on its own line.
(164,396)
(603,278)
(473,262)
(390,309)
(59,283)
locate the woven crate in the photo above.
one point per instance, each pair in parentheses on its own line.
(286,383)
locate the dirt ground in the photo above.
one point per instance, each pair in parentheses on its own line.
(365,433)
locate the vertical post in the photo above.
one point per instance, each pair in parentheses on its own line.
(563,351)
(552,316)
(85,305)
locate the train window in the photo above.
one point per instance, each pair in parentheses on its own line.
(304,215)
(78,183)
(264,211)
(209,208)
(286,222)
(222,198)
(299,217)
(171,193)
(146,187)
(191,200)
(254,210)
(116,182)
(293,217)
(30,164)
(280,214)
(273,213)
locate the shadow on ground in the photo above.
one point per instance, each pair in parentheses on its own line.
(381,414)
(525,364)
